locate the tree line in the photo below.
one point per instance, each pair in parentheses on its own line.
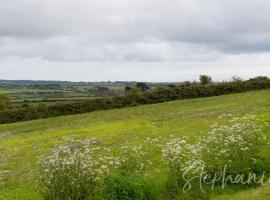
(138,95)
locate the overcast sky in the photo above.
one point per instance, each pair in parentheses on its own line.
(143,40)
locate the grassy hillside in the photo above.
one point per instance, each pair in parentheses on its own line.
(21,144)
(262,193)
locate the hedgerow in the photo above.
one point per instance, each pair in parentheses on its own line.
(183,91)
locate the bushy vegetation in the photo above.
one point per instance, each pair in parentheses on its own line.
(235,145)
(5,103)
(204,79)
(121,185)
(73,171)
(183,91)
(88,170)
(181,160)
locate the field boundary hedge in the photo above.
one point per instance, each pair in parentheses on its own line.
(180,92)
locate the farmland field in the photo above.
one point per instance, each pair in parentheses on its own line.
(18,96)
(21,144)
(50,92)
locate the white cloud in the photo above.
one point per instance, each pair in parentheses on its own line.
(135,32)
(244,65)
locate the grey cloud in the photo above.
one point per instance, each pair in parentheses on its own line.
(134,31)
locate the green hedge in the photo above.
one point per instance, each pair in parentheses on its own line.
(184,91)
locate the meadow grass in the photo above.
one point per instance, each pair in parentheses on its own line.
(21,144)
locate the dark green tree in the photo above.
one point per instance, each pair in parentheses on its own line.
(143,87)
(204,79)
(171,86)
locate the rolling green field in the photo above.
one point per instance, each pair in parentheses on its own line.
(49,92)
(21,144)
(18,96)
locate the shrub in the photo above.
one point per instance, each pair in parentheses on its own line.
(72,171)
(180,157)
(235,145)
(134,159)
(126,186)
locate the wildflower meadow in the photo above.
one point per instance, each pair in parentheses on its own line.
(87,169)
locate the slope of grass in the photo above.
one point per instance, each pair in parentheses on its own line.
(262,193)
(21,144)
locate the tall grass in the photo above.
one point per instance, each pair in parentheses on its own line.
(88,170)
